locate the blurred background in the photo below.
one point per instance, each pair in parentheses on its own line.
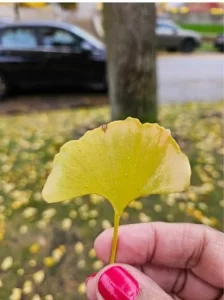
(69,67)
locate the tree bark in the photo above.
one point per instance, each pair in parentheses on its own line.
(16,11)
(131,55)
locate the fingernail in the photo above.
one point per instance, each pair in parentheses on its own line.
(117,284)
(89,277)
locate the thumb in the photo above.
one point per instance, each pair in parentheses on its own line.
(123,282)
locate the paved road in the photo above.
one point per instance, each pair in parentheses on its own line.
(191,78)
(181,78)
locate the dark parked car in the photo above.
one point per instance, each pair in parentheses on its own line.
(219,43)
(172,37)
(44,54)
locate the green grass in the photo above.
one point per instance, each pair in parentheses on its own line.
(205,28)
(28,144)
(207,47)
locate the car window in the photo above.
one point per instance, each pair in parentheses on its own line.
(87,37)
(19,38)
(56,37)
(165,29)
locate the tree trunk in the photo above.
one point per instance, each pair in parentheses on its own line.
(131,55)
(16,11)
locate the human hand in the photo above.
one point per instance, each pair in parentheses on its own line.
(160,261)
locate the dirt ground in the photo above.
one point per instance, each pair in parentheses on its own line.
(33,102)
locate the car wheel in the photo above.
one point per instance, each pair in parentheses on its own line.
(221,48)
(188,46)
(4,87)
(171,49)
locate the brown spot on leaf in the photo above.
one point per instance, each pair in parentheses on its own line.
(104,127)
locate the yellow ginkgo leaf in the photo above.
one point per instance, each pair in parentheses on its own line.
(120,161)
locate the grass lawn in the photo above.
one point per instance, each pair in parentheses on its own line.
(47,249)
(207,47)
(213,29)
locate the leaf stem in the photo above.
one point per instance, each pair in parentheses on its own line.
(117,217)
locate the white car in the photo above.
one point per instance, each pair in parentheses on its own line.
(172,37)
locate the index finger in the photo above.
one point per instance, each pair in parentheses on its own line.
(197,247)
